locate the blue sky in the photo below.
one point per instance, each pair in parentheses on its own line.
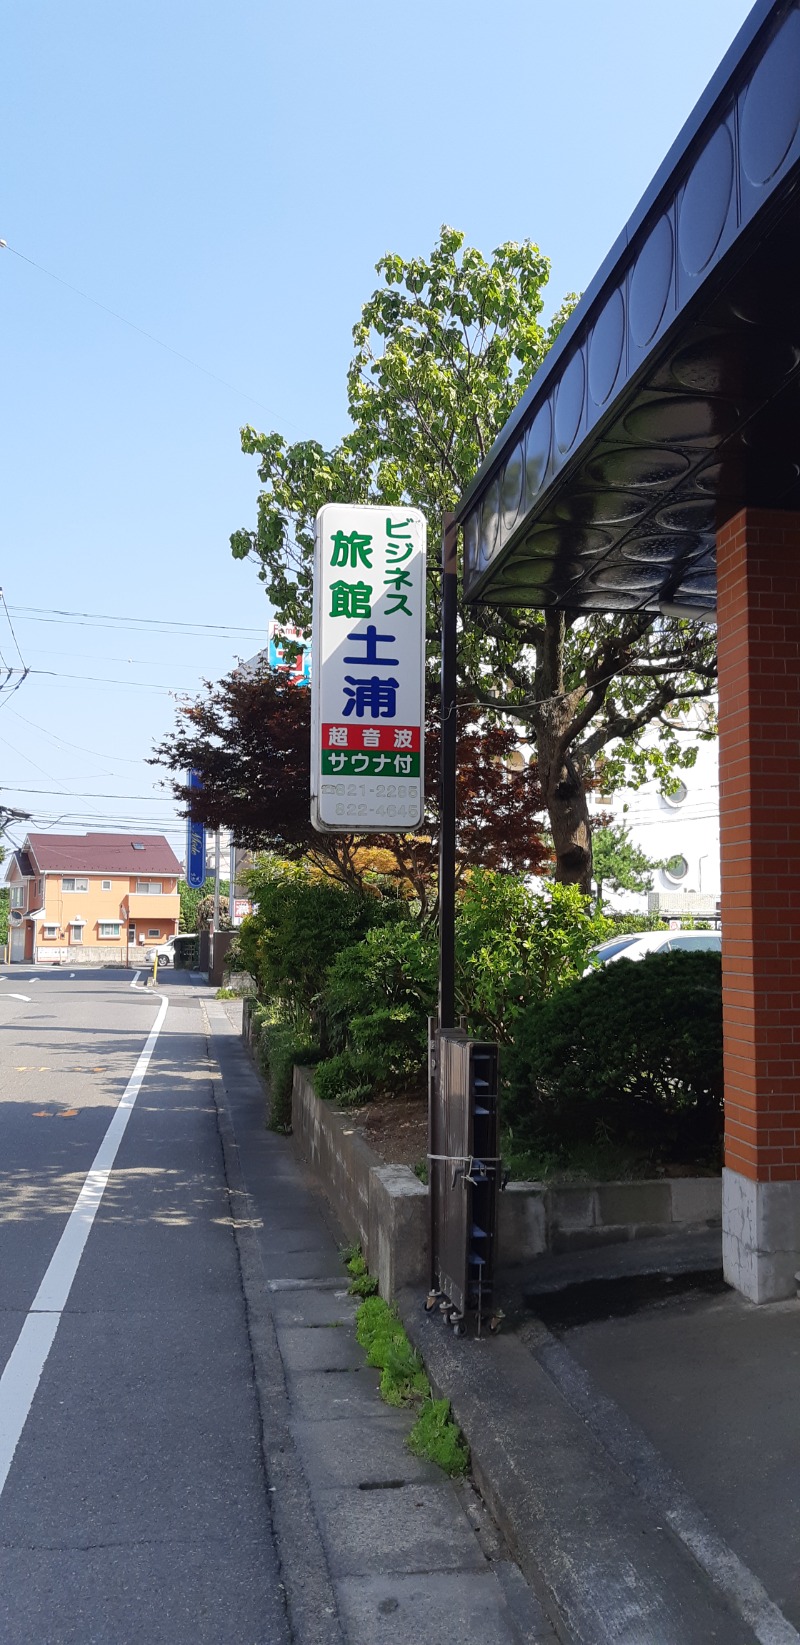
(226,178)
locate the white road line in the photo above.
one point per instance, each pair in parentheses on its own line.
(17,997)
(71,975)
(21,1376)
(136,976)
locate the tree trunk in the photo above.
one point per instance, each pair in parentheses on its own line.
(560,776)
(565,798)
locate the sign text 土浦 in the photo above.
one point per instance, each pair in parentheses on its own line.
(367,689)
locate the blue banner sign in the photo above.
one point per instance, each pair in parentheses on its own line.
(195,842)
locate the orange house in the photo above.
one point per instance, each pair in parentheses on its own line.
(91,899)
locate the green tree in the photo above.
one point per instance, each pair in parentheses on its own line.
(443,351)
(619,863)
(194,900)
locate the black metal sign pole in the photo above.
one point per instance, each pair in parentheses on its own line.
(447,898)
(447,824)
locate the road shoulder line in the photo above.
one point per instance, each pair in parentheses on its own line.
(28,1357)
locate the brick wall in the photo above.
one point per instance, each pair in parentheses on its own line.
(758,574)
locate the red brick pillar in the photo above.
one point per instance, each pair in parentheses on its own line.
(758,604)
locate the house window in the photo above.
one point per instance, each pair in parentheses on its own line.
(154,931)
(106,885)
(71,884)
(17,898)
(108,928)
(76,927)
(49,930)
(149,888)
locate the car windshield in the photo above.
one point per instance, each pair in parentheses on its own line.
(695,940)
(607,950)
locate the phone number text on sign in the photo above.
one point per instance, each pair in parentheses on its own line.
(367,754)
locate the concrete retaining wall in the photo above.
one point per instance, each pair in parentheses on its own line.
(384,1208)
(535,1218)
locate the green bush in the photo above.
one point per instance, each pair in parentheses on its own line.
(377,997)
(344,1079)
(626,925)
(515,945)
(277,1046)
(298,927)
(629,1055)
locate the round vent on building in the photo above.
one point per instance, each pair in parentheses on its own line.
(677,796)
(676,870)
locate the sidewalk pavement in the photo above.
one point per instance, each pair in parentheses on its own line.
(375,1544)
(640,1451)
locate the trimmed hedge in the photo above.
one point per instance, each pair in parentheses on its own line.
(631,1054)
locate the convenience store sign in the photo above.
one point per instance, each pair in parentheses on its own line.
(367,688)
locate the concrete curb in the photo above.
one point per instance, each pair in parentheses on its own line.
(310,1598)
(601,1560)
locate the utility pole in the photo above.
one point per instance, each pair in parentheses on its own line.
(232,883)
(215,926)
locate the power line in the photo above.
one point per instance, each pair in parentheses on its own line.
(159,341)
(126,759)
(95,679)
(11,626)
(133,625)
(83,794)
(7,666)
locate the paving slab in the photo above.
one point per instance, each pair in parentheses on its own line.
(321,1348)
(312,1306)
(434,1610)
(416,1528)
(347,1453)
(321,1395)
(384,1515)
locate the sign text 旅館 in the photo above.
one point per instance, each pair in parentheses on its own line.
(368,692)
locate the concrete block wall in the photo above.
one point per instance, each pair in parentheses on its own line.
(384,1208)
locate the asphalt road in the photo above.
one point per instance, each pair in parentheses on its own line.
(134,1507)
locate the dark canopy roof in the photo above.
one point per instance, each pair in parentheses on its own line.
(672,396)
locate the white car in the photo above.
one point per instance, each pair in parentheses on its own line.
(164,950)
(638,944)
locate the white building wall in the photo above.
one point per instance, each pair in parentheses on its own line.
(685,825)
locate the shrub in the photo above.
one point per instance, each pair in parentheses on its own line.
(299,925)
(277,1046)
(378,994)
(515,945)
(344,1079)
(631,1054)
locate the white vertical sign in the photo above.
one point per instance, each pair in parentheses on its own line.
(368,681)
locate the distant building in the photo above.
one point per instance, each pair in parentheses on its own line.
(91,899)
(681,830)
